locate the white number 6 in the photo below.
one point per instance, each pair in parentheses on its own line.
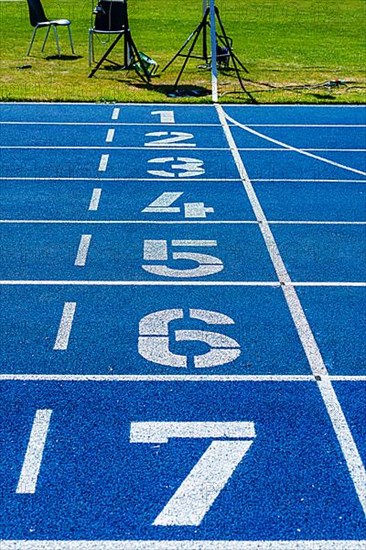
(153,342)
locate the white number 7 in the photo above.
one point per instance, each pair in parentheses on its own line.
(195,496)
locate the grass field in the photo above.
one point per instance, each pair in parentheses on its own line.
(283,43)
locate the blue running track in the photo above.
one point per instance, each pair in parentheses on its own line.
(183,320)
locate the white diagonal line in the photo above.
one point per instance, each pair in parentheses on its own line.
(294,149)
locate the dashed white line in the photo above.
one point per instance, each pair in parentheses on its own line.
(33,458)
(95,198)
(115,113)
(110,135)
(83,250)
(103,163)
(64,330)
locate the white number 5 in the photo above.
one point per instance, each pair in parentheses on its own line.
(156,250)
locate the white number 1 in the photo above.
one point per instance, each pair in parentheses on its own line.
(196,494)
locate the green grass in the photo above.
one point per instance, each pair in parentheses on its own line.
(283,43)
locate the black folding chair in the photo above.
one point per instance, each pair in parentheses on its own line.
(110,20)
(39,20)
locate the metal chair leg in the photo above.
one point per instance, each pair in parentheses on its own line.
(32,40)
(57,40)
(45,38)
(70,37)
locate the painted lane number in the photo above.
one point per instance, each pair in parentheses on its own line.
(154,342)
(157,250)
(163,205)
(181,167)
(170,139)
(196,494)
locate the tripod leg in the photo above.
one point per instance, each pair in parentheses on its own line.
(227,42)
(104,57)
(234,58)
(197,31)
(181,49)
(132,48)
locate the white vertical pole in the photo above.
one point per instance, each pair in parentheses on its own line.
(213,52)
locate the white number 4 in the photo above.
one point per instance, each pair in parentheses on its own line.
(163,205)
(196,494)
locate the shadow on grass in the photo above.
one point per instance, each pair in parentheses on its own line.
(170,91)
(63,57)
(326,97)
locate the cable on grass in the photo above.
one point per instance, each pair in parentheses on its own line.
(328,84)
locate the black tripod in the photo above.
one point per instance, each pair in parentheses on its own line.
(224,50)
(111,19)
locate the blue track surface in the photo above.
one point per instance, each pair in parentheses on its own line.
(182,327)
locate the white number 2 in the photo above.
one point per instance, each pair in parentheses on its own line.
(157,250)
(196,494)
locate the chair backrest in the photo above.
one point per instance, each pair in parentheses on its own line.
(36,12)
(111,15)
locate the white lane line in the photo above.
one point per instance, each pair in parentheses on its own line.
(114,147)
(134,222)
(110,135)
(64,330)
(83,250)
(109,139)
(166,377)
(30,123)
(95,198)
(305,125)
(103,163)
(204,124)
(33,457)
(291,148)
(310,346)
(165,180)
(182,545)
(302,149)
(178,222)
(76,282)
(89,282)
(306,180)
(115,113)
(173,180)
